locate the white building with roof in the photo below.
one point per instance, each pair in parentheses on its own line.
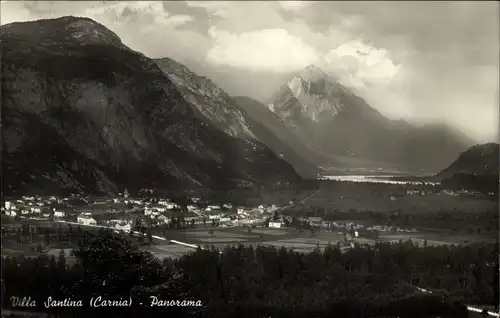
(123,226)
(86,220)
(275,225)
(59,214)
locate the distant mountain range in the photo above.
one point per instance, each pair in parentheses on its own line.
(83,112)
(333,121)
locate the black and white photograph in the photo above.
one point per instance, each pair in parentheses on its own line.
(250,159)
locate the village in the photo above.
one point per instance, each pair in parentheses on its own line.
(346,212)
(123,213)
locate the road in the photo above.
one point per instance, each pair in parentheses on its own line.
(469,307)
(136,233)
(296,203)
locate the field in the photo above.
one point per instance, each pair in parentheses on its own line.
(300,241)
(303,241)
(409,204)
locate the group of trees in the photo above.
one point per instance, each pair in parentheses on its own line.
(44,234)
(376,281)
(485,184)
(453,220)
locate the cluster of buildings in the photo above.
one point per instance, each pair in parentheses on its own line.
(35,207)
(386,228)
(462,193)
(121,212)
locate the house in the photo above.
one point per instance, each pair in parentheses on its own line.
(156,208)
(163,219)
(167,204)
(214,217)
(275,225)
(195,199)
(225,219)
(240,211)
(59,214)
(123,226)
(191,218)
(11,213)
(412,192)
(7,205)
(86,220)
(315,219)
(36,210)
(153,211)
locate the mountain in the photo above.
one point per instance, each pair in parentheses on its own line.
(215,107)
(258,112)
(479,160)
(329,118)
(83,112)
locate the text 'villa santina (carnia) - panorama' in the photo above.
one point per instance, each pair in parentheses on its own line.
(99,301)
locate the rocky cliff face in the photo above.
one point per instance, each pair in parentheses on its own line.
(214,106)
(207,99)
(83,112)
(331,119)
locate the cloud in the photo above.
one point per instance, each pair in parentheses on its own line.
(148,13)
(214,8)
(14,11)
(356,63)
(435,60)
(272,50)
(363,62)
(295,6)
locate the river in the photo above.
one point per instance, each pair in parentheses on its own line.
(373,179)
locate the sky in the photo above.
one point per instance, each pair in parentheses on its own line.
(422,61)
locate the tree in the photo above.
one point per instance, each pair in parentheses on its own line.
(59,232)
(61,260)
(47,236)
(150,236)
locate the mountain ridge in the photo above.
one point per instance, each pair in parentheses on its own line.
(119,119)
(478,160)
